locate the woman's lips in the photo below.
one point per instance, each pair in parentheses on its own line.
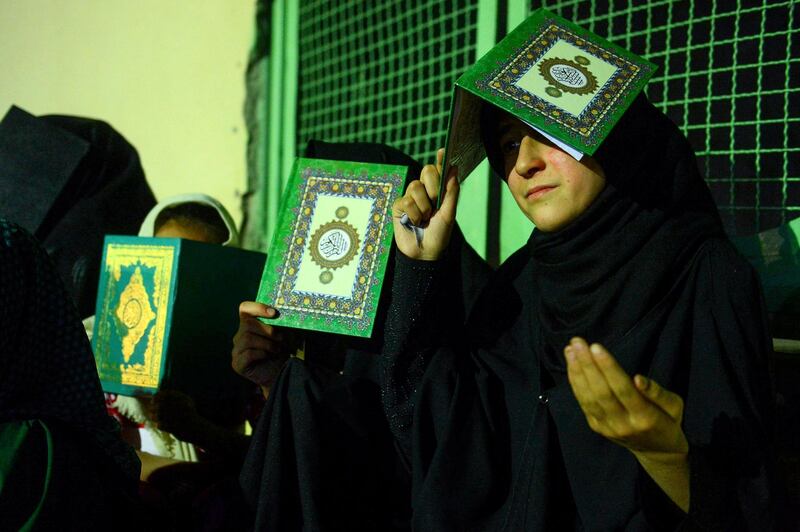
(538,192)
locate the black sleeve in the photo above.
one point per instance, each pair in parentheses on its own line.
(321,457)
(409,340)
(728,417)
(440,403)
(428,307)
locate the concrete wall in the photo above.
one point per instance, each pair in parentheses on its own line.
(167,74)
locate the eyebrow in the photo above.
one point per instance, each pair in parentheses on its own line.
(503,129)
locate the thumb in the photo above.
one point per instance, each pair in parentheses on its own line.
(669,402)
(450,201)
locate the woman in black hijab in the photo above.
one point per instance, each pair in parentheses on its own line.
(513,422)
(62,463)
(69,181)
(322,456)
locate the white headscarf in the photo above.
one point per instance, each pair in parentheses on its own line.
(148,225)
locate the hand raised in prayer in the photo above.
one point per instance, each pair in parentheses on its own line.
(636,413)
(419,204)
(259,349)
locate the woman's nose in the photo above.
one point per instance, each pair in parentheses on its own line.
(530,157)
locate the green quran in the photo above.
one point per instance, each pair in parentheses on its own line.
(570,85)
(328,256)
(167,310)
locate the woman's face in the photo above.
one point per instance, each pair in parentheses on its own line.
(550,187)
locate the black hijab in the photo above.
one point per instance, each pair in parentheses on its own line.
(69,181)
(47,370)
(321,457)
(646,271)
(599,276)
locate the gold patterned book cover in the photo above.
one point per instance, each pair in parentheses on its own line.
(132,316)
(328,256)
(167,309)
(569,84)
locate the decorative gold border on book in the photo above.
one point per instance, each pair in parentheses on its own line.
(585,125)
(315,183)
(125,256)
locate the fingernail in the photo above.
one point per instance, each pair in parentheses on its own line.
(570,353)
(643,382)
(271,312)
(596,350)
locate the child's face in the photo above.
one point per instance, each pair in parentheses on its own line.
(175,229)
(551,188)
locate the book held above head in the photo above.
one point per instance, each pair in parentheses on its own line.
(568,84)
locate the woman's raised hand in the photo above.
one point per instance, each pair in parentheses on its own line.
(419,203)
(635,413)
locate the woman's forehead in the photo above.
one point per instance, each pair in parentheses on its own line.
(510,124)
(507,122)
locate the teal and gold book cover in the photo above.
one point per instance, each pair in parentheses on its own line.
(564,81)
(167,309)
(328,256)
(132,316)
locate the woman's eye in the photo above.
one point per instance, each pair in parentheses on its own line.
(510,146)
